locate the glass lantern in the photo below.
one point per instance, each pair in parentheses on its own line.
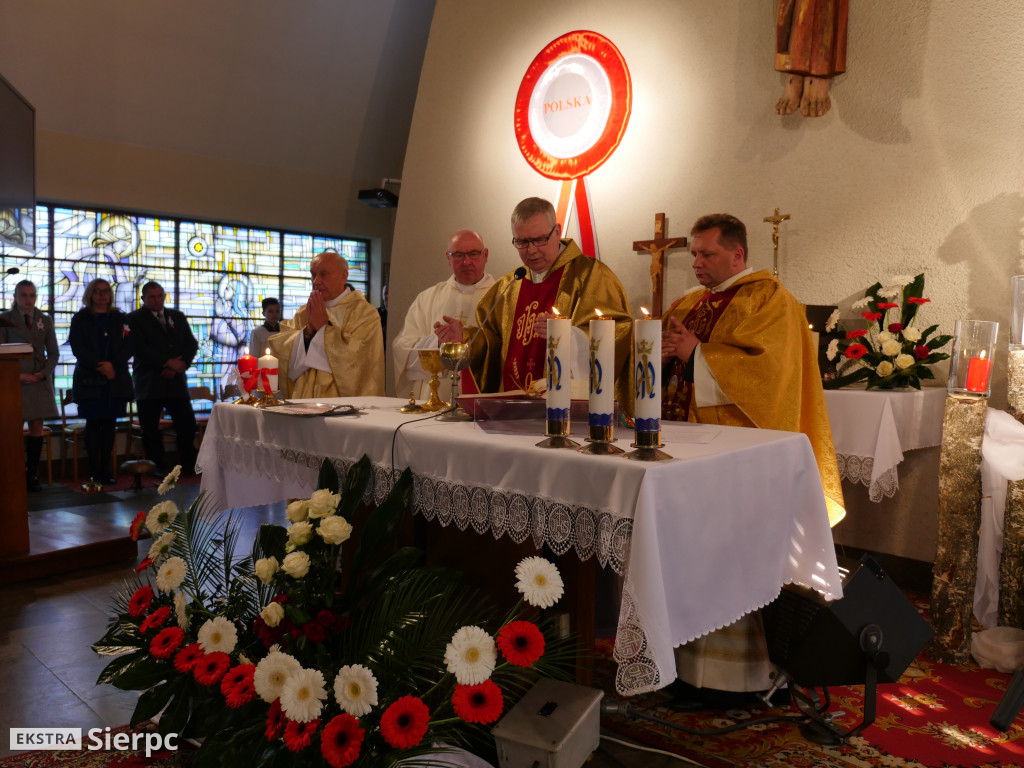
(970,369)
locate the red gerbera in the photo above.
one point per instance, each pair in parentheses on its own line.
(297,736)
(481,703)
(139,602)
(895,327)
(209,669)
(341,740)
(136,527)
(404,723)
(166,641)
(917,300)
(156,619)
(871,316)
(886,305)
(856,334)
(144,565)
(921,352)
(521,642)
(856,350)
(187,657)
(275,721)
(237,685)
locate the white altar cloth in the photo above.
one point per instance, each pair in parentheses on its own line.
(871,429)
(702,540)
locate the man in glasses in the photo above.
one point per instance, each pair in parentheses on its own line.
(510,350)
(431,318)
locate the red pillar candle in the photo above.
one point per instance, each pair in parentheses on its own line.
(247,365)
(978,370)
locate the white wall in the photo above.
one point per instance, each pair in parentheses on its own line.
(919,165)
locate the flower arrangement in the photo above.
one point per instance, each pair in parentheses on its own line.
(891,352)
(284,657)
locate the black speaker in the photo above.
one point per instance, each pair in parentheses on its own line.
(821,643)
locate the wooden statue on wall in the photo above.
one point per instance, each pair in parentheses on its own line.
(810,47)
(657,248)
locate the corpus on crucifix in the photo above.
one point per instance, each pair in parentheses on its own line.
(657,248)
(775,221)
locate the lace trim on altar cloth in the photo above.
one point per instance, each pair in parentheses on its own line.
(556,524)
(858,469)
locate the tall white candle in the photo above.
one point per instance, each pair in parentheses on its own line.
(557,368)
(647,373)
(269,383)
(602,369)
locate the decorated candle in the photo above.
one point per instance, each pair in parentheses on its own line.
(602,371)
(557,368)
(268,372)
(978,370)
(647,372)
(247,369)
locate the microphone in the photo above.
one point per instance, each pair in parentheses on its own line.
(518,275)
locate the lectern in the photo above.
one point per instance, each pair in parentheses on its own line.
(13,498)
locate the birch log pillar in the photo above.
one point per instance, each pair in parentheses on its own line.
(956,558)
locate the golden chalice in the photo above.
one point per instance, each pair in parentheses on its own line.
(455,357)
(430,359)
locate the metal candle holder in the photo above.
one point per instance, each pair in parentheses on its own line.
(602,435)
(648,442)
(557,431)
(268,399)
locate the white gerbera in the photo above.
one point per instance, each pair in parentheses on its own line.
(862,303)
(181,610)
(161,546)
(904,361)
(832,322)
(891,348)
(265,569)
(303,695)
(296,564)
(272,614)
(884,368)
(891,292)
(217,634)
(471,655)
(161,516)
(355,690)
(903,280)
(911,334)
(171,574)
(833,349)
(335,529)
(297,511)
(272,672)
(300,533)
(539,582)
(884,336)
(170,481)
(323,503)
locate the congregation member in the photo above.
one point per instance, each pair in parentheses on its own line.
(509,351)
(334,346)
(101,384)
(30,326)
(259,339)
(164,350)
(737,351)
(428,321)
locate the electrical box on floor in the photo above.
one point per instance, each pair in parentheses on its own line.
(555,725)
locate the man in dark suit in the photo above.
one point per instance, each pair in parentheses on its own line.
(164,348)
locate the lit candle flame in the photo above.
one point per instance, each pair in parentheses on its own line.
(245,350)
(554,311)
(647,314)
(267,353)
(983,353)
(599,314)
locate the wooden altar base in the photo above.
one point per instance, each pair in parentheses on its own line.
(64,540)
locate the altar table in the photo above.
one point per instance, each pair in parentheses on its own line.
(871,429)
(701,540)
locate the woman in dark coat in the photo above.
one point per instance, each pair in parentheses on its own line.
(102,385)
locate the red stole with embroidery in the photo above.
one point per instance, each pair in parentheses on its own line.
(701,319)
(524,358)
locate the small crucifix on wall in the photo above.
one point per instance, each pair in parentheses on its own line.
(657,248)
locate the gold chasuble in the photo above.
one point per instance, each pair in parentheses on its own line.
(505,351)
(755,340)
(354,345)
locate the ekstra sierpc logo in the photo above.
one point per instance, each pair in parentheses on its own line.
(23,739)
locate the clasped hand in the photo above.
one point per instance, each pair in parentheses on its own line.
(448,332)
(677,341)
(317,309)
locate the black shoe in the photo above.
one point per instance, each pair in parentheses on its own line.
(32,484)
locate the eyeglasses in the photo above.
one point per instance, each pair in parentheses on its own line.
(522,243)
(460,255)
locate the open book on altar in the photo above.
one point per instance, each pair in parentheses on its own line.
(16,348)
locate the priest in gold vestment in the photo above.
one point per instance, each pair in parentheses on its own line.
(334,346)
(509,351)
(738,352)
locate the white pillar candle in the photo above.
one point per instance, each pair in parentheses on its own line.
(557,368)
(647,373)
(268,380)
(602,369)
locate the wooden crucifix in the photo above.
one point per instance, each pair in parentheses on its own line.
(657,248)
(775,220)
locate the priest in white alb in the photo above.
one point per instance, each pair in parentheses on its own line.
(426,321)
(334,346)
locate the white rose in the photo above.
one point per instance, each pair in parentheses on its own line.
(911,334)
(335,529)
(300,533)
(323,503)
(904,361)
(297,511)
(891,348)
(272,614)
(296,564)
(265,569)
(884,336)
(884,368)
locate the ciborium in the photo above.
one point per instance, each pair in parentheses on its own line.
(455,358)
